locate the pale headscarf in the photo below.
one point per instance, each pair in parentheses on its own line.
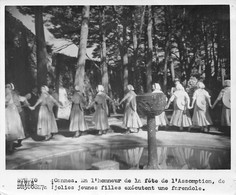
(10,85)
(179,87)
(227,83)
(200,85)
(130,87)
(100,88)
(45,88)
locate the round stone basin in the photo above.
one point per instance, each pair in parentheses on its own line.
(169,157)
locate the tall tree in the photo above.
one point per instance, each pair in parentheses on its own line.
(80,71)
(150,51)
(125,59)
(104,68)
(156,17)
(41,51)
(167,44)
(138,21)
(121,14)
(135,49)
(207,57)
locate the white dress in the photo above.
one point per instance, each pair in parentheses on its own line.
(100,116)
(77,120)
(226,112)
(131,118)
(201,116)
(13,124)
(46,119)
(180,116)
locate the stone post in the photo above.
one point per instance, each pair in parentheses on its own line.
(150,105)
(152,143)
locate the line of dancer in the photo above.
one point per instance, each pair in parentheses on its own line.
(42,118)
(201,103)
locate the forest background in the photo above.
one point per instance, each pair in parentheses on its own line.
(137,45)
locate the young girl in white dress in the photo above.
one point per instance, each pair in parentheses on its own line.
(13,124)
(161,120)
(100,116)
(46,120)
(77,120)
(131,118)
(173,89)
(224,96)
(180,117)
(201,116)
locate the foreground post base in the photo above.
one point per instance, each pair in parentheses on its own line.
(106,165)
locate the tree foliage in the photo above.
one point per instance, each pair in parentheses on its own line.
(145,44)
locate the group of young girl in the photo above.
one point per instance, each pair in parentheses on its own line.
(47,126)
(46,122)
(201,103)
(131,120)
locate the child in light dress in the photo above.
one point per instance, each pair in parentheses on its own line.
(100,116)
(161,120)
(173,89)
(21,103)
(131,118)
(47,125)
(224,96)
(77,120)
(13,124)
(201,103)
(180,117)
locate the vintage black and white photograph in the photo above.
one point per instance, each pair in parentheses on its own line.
(117,87)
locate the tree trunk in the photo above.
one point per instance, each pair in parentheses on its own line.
(104,71)
(222,72)
(200,69)
(41,51)
(57,72)
(124,55)
(79,76)
(167,47)
(150,51)
(136,42)
(135,55)
(152,144)
(207,65)
(167,53)
(180,48)
(172,68)
(125,59)
(155,42)
(215,58)
(191,61)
